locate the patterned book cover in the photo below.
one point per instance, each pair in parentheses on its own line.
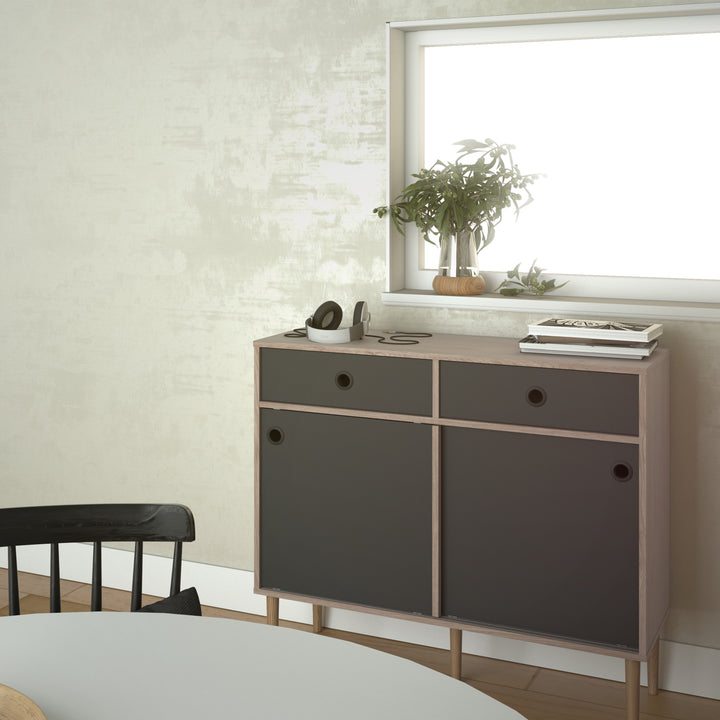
(627,331)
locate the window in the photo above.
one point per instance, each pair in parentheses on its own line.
(617,109)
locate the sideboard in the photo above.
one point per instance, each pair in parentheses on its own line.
(460,482)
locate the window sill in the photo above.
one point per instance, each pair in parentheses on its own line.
(701,312)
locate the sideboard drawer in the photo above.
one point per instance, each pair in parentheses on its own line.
(544,397)
(345,380)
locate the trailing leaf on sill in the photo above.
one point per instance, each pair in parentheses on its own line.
(517,284)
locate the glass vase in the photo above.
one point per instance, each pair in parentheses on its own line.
(458,255)
(458,266)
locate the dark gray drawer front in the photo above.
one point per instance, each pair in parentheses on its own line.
(544,397)
(358,382)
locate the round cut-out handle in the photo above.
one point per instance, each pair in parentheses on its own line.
(622,472)
(536,396)
(344,380)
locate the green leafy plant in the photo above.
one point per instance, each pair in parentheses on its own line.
(465,195)
(516,284)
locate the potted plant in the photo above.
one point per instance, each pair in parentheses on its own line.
(456,205)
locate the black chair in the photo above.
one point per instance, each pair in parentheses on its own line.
(95,524)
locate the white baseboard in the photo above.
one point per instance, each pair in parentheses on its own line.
(688,669)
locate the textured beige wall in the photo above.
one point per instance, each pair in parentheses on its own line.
(178,178)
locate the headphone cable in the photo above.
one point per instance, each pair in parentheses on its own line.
(397,337)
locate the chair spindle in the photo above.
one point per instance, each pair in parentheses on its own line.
(177,564)
(13,591)
(96,592)
(136,598)
(54,577)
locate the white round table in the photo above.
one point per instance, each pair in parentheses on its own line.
(116,666)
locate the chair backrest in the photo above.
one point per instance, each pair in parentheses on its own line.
(55,524)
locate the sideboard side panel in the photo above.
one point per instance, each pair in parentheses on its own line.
(655,513)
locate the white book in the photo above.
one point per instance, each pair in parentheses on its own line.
(597,329)
(588,348)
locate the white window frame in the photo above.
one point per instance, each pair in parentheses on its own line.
(608,296)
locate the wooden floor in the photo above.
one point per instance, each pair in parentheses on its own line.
(536,693)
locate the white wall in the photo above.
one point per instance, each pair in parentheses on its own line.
(178,178)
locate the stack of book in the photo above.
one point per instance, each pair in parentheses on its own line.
(597,338)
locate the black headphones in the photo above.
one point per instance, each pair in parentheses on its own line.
(324,325)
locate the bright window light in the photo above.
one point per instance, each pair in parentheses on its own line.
(625,130)
(617,109)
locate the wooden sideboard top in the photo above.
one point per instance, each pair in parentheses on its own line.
(468,348)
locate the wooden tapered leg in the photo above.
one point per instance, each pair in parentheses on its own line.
(632,689)
(455,653)
(653,668)
(317,618)
(273,610)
